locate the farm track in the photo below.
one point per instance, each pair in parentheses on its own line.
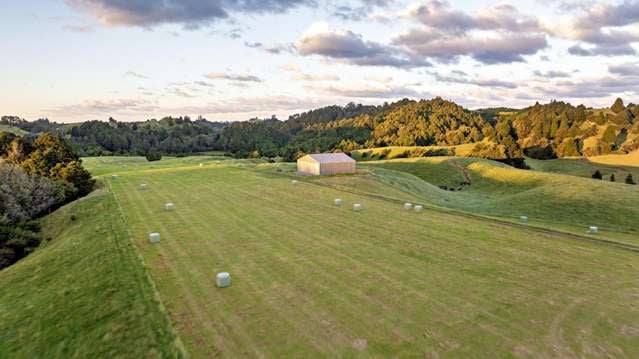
(551,232)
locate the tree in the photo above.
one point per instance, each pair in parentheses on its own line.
(612,177)
(153,155)
(597,175)
(629,179)
(75,174)
(610,135)
(618,106)
(49,150)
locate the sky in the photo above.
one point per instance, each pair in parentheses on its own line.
(227,60)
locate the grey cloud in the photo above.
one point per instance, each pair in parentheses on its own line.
(627,69)
(503,48)
(602,27)
(439,14)
(190,13)
(551,74)
(272,49)
(462,78)
(352,48)
(602,50)
(232,77)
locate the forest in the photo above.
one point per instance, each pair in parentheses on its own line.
(556,129)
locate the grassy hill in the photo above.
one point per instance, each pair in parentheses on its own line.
(314,280)
(498,190)
(85,294)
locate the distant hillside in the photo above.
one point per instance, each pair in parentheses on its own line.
(557,129)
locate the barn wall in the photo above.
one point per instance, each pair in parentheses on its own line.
(309,167)
(340,167)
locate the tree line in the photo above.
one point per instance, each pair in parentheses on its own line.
(556,129)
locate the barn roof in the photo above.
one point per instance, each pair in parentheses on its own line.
(330,157)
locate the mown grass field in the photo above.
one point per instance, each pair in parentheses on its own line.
(314,280)
(84,294)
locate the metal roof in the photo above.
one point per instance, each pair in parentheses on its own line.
(330,157)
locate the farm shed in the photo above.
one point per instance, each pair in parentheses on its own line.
(326,164)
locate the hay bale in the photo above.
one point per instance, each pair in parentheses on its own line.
(223,280)
(201,164)
(523,219)
(142,186)
(169,206)
(154,237)
(338,202)
(408,206)
(419,208)
(358,207)
(593,229)
(295,181)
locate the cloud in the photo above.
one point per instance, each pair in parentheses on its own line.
(84,28)
(315,77)
(461,77)
(135,75)
(500,34)
(593,87)
(501,48)
(626,69)
(361,11)
(189,13)
(232,77)
(551,74)
(272,49)
(351,48)
(369,91)
(439,14)
(603,29)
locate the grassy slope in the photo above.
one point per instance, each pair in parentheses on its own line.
(395,151)
(552,200)
(630,159)
(85,294)
(310,279)
(15,130)
(620,165)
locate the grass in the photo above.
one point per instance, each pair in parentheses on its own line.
(619,165)
(85,294)
(394,152)
(630,159)
(314,280)
(550,200)
(12,129)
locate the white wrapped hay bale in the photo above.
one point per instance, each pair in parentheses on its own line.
(154,237)
(523,219)
(142,186)
(593,229)
(169,206)
(223,280)
(357,207)
(419,208)
(201,164)
(408,206)
(338,202)
(295,181)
